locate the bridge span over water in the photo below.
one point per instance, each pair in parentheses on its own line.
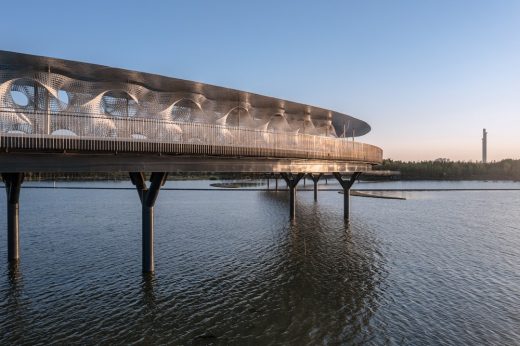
(66,116)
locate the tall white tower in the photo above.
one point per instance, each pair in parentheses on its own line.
(484,146)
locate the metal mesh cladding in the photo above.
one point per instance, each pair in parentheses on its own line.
(43,104)
(101,102)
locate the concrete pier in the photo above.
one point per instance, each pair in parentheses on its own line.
(13,183)
(315,179)
(346,185)
(148,196)
(292,181)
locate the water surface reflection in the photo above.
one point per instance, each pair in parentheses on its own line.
(230,268)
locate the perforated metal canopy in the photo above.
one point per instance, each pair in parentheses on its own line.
(210,98)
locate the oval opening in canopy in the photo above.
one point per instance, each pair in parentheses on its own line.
(119,103)
(186,110)
(239,117)
(278,123)
(19,98)
(63,97)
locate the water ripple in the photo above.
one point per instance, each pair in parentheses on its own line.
(230,269)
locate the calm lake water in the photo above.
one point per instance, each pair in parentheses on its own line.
(438,268)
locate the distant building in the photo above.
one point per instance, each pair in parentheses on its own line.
(484,146)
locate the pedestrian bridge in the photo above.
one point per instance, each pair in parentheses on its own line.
(65,116)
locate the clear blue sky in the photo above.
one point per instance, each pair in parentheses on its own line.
(428,75)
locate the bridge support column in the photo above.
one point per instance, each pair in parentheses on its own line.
(13,183)
(292,181)
(316,179)
(148,196)
(346,185)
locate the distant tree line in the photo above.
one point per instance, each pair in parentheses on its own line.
(443,169)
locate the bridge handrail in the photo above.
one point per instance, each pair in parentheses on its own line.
(101,127)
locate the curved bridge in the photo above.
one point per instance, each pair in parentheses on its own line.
(65,116)
(55,106)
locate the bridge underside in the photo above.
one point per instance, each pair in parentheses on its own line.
(13,165)
(127,162)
